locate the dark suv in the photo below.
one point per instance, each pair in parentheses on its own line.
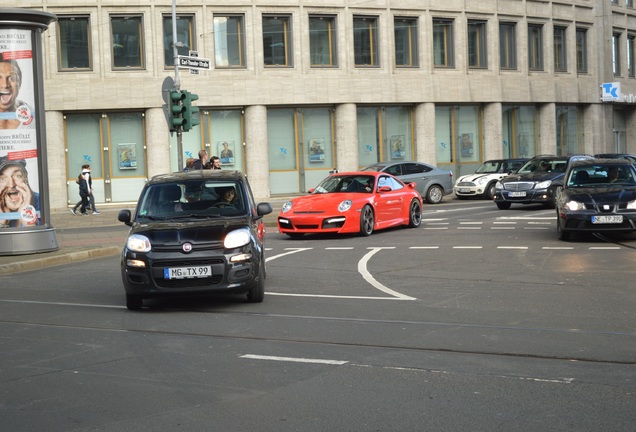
(536,182)
(192,233)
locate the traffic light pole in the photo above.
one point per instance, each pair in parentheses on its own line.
(177,81)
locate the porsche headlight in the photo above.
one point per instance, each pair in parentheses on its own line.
(575,205)
(543,185)
(237,238)
(345,205)
(631,205)
(286,207)
(138,243)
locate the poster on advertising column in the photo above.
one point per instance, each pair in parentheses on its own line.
(19,194)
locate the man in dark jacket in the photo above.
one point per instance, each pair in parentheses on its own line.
(202,162)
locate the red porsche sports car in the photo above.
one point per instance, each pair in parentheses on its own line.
(352,202)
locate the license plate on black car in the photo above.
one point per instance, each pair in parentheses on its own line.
(607,219)
(189,272)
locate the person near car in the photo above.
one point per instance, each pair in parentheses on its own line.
(86,171)
(202,162)
(215,163)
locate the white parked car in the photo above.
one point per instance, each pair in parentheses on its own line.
(482,182)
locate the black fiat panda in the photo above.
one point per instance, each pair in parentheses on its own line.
(194,232)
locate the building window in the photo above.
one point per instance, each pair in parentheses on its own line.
(631,71)
(443,54)
(185,41)
(477,54)
(460,129)
(229,41)
(365,41)
(405,30)
(560,58)
(322,41)
(629,3)
(277,40)
(581,50)
(535,47)
(127,44)
(616,54)
(507,46)
(74,41)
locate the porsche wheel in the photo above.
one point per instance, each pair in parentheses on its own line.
(415,214)
(367,221)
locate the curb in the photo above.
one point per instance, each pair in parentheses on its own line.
(64,258)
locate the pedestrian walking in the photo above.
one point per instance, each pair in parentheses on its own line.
(85,176)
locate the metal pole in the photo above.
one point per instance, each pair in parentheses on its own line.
(177,81)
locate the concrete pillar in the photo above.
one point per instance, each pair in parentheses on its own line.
(346,137)
(547,129)
(425,137)
(56,160)
(257,151)
(630,126)
(158,153)
(492,131)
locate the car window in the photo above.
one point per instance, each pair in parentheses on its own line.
(413,168)
(348,183)
(488,167)
(395,170)
(394,184)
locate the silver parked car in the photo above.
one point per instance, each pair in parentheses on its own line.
(432,182)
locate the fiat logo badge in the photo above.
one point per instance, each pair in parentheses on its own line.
(187,247)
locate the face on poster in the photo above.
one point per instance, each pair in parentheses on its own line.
(19,191)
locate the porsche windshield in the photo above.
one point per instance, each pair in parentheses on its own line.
(346,183)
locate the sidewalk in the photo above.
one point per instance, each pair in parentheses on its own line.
(93,236)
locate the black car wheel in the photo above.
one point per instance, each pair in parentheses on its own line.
(563,235)
(415,214)
(257,293)
(367,221)
(134,302)
(434,194)
(503,205)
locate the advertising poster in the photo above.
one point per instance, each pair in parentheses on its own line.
(317,150)
(397,147)
(19,190)
(226,152)
(127,155)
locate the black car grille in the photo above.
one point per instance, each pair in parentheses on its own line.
(518,186)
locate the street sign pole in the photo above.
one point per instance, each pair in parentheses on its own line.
(177,81)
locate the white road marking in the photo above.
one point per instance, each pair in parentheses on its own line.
(362,269)
(468,247)
(604,247)
(424,247)
(291,251)
(335,296)
(293,359)
(557,248)
(512,247)
(339,248)
(435,228)
(503,228)
(471,223)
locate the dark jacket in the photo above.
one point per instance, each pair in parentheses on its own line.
(84,186)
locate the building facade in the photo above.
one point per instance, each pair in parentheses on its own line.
(297,88)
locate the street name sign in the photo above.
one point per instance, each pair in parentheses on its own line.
(194,62)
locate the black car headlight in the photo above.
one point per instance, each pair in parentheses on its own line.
(575,206)
(237,238)
(138,243)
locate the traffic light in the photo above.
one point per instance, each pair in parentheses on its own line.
(191,114)
(177,110)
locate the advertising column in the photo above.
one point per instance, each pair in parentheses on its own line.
(25,225)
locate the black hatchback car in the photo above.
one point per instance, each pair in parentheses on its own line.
(597,196)
(194,232)
(538,181)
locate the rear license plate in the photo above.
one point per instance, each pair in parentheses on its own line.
(187,272)
(516,194)
(607,219)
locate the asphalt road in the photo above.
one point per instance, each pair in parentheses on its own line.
(479,320)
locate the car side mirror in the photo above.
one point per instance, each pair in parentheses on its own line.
(125,216)
(263,209)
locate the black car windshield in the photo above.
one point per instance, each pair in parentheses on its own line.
(489,167)
(194,198)
(346,183)
(544,165)
(602,175)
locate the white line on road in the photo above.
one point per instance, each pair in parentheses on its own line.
(291,251)
(293,359)
(362,269)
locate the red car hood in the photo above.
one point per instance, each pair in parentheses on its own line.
(319,203)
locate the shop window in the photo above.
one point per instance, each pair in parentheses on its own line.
(569,128)
(127,41)
(406,48)
(322,41)
(458,134)
(365,41)
(229,41)
(385,134)
(519,130)
(277,40)
(185,40)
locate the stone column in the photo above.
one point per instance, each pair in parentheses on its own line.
(547,129)
(346,137)
(425,137)
(57,160)
(493,131)
(257,151)
(158,147)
